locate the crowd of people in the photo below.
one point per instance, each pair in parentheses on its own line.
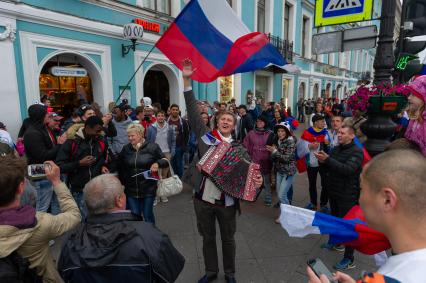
(95,188)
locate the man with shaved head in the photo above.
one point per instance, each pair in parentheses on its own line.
(114,245)
(393,199)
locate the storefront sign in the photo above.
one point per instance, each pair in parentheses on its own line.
(148,26)
(68,72)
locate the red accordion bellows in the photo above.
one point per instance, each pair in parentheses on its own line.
(226,167)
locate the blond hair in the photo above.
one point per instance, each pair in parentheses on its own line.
(136,128)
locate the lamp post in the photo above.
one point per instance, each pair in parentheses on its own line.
(134,32)
(379,126)
(384,59)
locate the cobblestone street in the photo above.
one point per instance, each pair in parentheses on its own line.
(265,253)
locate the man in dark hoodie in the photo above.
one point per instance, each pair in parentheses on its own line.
(114,245)
(41,145)
(84,158)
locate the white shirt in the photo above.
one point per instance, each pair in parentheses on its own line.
(162,137)
(409,267)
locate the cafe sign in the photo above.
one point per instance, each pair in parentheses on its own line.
(148,26)
(68,72)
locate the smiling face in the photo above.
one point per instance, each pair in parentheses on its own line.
(226,124)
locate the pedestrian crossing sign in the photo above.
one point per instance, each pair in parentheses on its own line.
(334,12)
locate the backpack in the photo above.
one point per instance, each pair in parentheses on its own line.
(15,269)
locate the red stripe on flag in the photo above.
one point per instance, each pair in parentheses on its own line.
(242,49)
(176,46)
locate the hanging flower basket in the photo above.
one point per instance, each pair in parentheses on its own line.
(382,99)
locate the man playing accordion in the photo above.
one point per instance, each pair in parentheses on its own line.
(210,203)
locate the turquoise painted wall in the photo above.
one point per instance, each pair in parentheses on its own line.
(87,11)
(43,52)
(248,13)
(20,77)
(247,83)
(277,28)
(278,86)
(298,28)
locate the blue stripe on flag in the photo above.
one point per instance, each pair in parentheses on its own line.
(340,230)
(211,43)
(266,55)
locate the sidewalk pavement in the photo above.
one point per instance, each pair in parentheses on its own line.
(265,252)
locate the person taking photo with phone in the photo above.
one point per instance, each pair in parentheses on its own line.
(83,158)
(343,167)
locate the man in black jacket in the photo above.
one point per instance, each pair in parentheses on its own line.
(41,145)
(246,123)
(343,169)
(115,245)
(209,202)
(83,158)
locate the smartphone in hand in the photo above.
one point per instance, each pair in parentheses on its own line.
(319,268)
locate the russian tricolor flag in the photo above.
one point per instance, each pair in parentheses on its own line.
(210,34)
(350,231)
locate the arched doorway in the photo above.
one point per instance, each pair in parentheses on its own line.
(327,90)
(160,83)
(338,91)
(316,91)
(69,80)
(156,86)
(302,89)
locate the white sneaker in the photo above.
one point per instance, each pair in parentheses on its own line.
(164,199)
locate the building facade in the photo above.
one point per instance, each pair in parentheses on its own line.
(71,50)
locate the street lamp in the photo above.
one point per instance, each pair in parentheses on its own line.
(134,32)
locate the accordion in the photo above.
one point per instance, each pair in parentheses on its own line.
(226,167)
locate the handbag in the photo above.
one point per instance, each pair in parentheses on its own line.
(169,186)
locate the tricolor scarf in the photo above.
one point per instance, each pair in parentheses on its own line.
(314,135)
(212,138)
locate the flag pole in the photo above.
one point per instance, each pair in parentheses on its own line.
(134,74)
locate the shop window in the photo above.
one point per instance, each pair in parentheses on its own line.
(262,88)
(226,88)
(65,92)
(161,6)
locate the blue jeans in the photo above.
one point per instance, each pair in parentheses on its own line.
(142,206)
(177,161)
(79,199)
(44,191)
(284,183)
(267,197)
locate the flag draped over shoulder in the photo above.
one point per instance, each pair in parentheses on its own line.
(217,42)
(350,231)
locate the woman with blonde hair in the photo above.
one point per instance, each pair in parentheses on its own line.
(136,157)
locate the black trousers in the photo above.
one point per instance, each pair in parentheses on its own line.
(340,208)
(206,223)
(312,177)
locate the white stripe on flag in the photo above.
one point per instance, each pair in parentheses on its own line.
(223,18)
(298,221)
